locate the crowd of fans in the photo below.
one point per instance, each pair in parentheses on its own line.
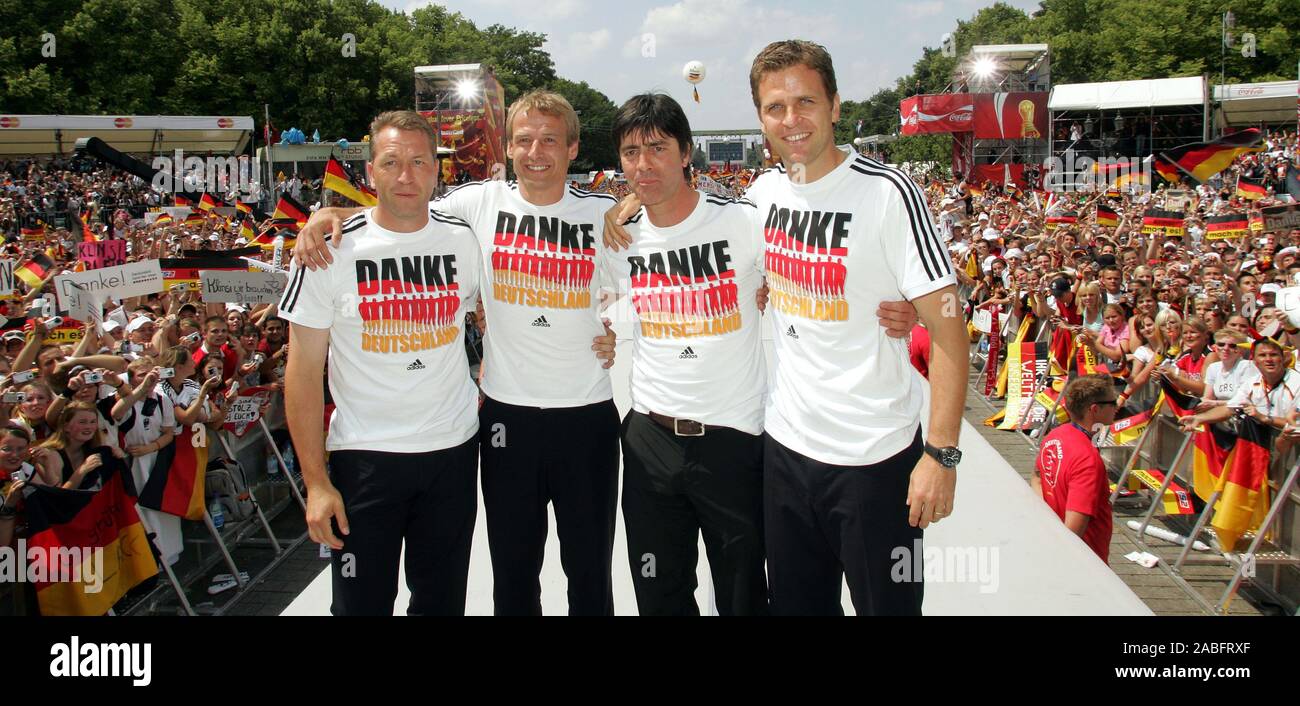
(1147,305)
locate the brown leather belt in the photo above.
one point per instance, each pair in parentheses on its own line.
(680,427)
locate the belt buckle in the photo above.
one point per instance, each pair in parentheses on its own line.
(677,427)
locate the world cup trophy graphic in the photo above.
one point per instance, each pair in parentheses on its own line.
(1027,129)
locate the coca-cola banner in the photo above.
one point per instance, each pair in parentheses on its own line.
(996,116)
(937,113)
(1010,116)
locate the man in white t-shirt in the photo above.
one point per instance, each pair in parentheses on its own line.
(548,426)
(692,444)
(403,438)
(847,489)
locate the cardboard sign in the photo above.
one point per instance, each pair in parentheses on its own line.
(131,280)
(105,253)
(6,277)
(241,287)
(1281,217)
(246,409)
(70,332)
(983,321)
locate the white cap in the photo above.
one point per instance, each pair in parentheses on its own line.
(1013,252)
(137,322)
(988,261)
(241,241)
(233,306)
(1272,287)
(1248,265)
(1288,250)
(992,234)
(111,325)
(1210,256)
(984,217)
(214,237)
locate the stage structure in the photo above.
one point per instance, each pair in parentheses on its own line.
(996,110)
(466,106)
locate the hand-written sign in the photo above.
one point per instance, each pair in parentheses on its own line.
(1281,217)
(241,287)
(133,280)
(105,253)
(246,409)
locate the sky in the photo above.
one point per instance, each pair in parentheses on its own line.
(630,47)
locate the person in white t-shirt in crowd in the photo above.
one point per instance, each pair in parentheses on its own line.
(403,439)
(1269,398)
(1229,373)
(692,444)
(548,427)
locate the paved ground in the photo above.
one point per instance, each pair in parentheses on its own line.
(1157,586)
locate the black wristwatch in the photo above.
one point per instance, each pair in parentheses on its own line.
(948,456)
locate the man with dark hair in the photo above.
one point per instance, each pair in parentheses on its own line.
(216,338)
(846,481)
(403,438)
(1070,469)
(692,450)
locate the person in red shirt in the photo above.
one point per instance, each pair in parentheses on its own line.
(1070,471)
(216,337)
(918,349)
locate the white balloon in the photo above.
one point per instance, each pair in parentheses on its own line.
(693,71)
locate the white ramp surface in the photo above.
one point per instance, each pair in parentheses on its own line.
(1001,552)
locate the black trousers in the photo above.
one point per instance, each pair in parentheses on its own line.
(828,523)
(674,489)
(430,500)
(567,456)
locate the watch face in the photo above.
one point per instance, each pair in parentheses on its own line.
(949,457)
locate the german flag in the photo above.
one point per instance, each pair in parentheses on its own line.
(36,233)
(597,181)
(1127,430)
(163,220)
(1202,160)
(208,202)
(1177,501)
(1212,444)
(276,226)
(1155,220)
(194,219)
(59,520)
(185,270)
(1166,170)
(1063,219)
(972,265)
(975,189)
(1227,226)
(288,208)
(1244,501)
(175,485)
(35,270)
(243,207)
(1107,216)
(1086,362)
(1250,189)
(87,235)
(246,229)
(1256,224)
(340,179)
(182,200)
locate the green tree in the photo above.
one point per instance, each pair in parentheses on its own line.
(596,149)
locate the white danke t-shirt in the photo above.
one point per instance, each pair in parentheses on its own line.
(395,304)
(696,344)
(540,292)
(843,391)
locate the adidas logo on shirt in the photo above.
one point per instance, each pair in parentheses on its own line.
(541,321)
(417,365)
(688,353)
(790,332)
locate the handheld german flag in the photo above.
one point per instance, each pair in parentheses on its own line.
(1250,189)
(175,485)
(1244,501)
(35,233)
(597,181)
(182,200)
(104,520)
(1107,216)
(1062,219)
(163,220)
(1201,160)
(208,202)
(340,179)
(1229,225)
(1211,445)
(195,218)
(287,207)
(35,270)
(1156,220)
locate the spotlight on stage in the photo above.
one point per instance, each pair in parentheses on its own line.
(984,67)
(466,90)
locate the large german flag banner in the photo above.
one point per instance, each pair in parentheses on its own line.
(1156,220)
(1176,500)
(208,202)
(35,233)
(1211,444)
(1250,189)
(1230,225)
(1201,160)
(289,208)
(1106,216)
(1166,170)
(35,270)
(175,485)
(1244,502)
(340,179)
(69,524)
(1026,365)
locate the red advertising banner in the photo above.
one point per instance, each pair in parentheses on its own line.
(999,174)
(937,113)
(1010,116)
